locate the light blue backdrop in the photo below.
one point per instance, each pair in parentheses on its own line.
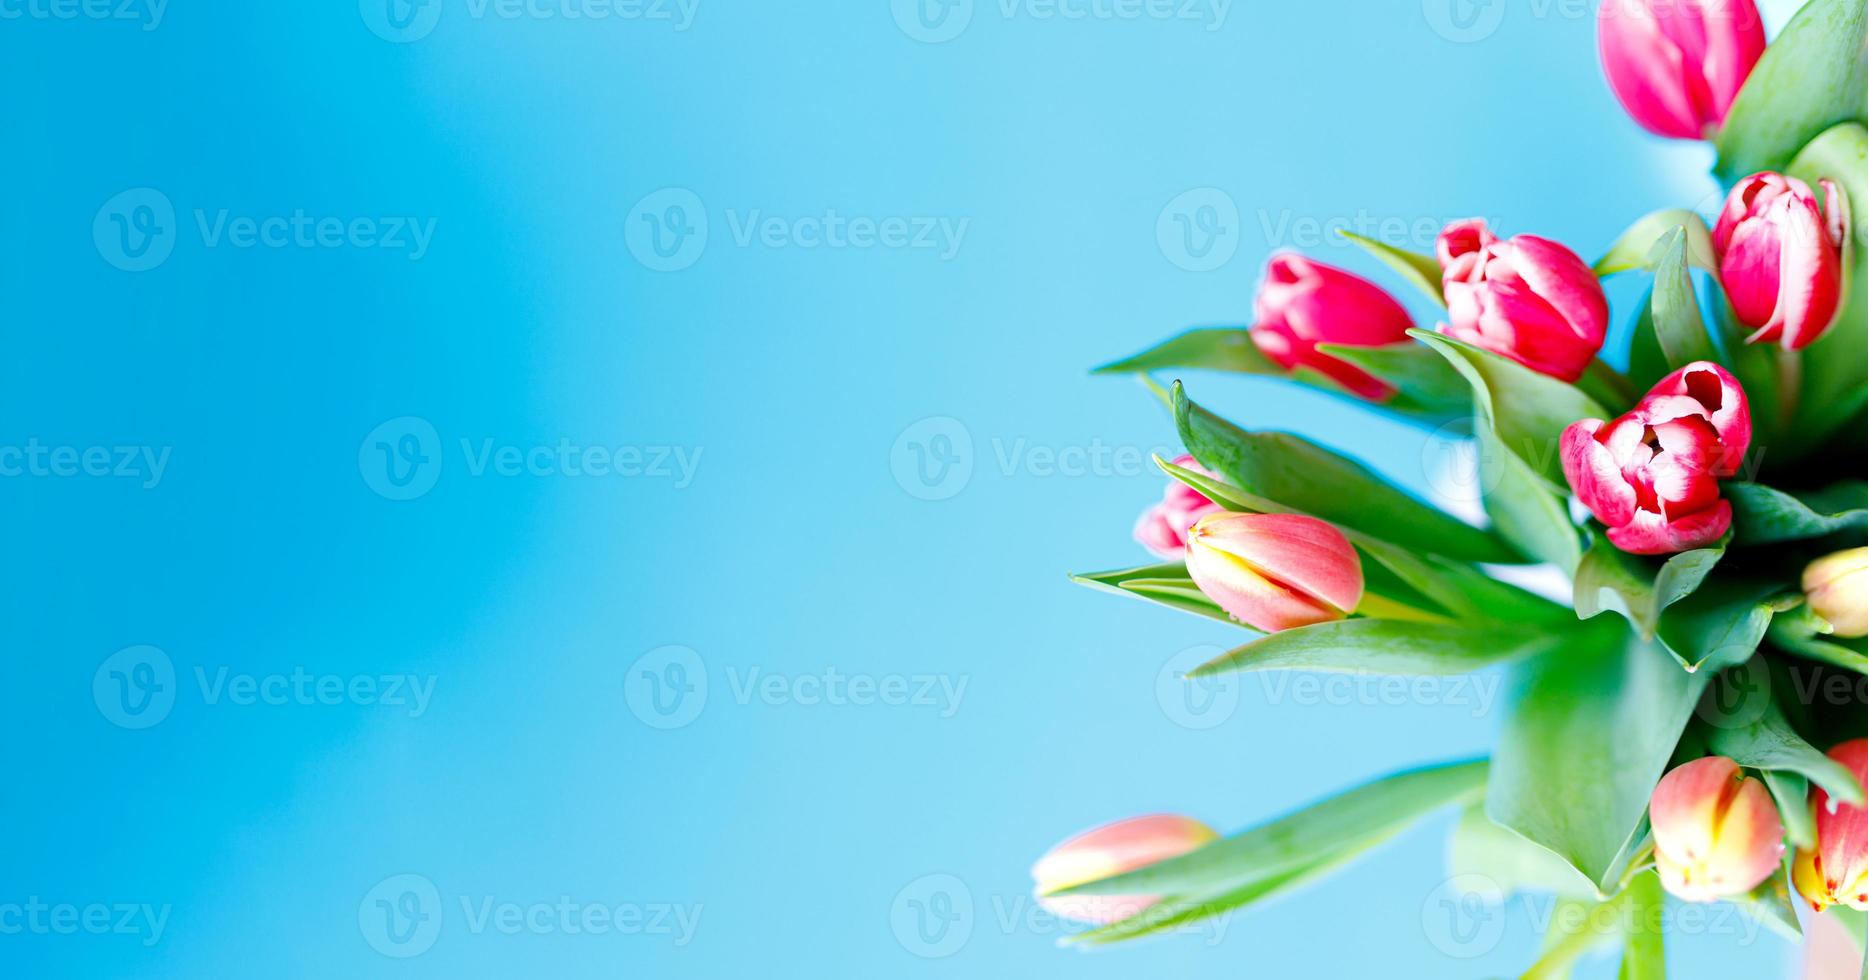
(519,562)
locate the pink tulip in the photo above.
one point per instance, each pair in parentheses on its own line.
(1526,298)
(1111,850)
(1302,303)
(1780,260)
(1275,571)
(1653,475)
(1836,872)
(1676,65)
(1716,831)
(1163,527)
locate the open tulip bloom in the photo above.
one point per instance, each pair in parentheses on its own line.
(1689,720)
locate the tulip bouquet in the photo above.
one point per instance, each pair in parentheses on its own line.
(1692,720)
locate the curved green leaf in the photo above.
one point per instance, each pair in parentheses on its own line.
(1295,472)
(1770,743)
(1382,646)
(1678,324)
(1636,248)
(1611,579)
(1369,812)
(1591,728)
(1423,272)
(1761,515)
(1165,584)
(1528,410)
(1813,76)
(1209,348)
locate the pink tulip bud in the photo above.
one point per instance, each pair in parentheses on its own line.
(1652,476)
(1780,260)
(1302,303)
(1275,571)
(1527,298)
(1716,831)
(1676,65)
(1163,527)
(1836,872)
(1111,850)
(1837,587)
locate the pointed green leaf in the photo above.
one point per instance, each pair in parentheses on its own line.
(1768,742)
(1212,348)
(1484,849)
(1423,272)
(1167,585)
(1591,728)
(1366,813)
(1814,75)
(1528,410)
(1609,579)
(1761,515)
(1678,324)
(1382,646)
(1636,248)
(1644,953)
(1804,633)
(1293,471)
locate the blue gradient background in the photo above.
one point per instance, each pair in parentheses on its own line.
(792,828)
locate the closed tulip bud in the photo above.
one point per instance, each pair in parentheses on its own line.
(1163,527)
(1302,303)
(1836,872)
(1652,476)
(1111,850)
(1275,571)
(1837,587)
(1676,65)
(1526,298)
(1716,831)
(1780,258)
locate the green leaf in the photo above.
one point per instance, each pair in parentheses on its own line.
(1647,363)
(1636,248)
(1591,728)
(1792,793)
(1761,515)
(1211,348)
(1167,585)
(1721,625)
(1804,634)
(1370,812)
(1455,587)
(1423,272)
(1523,508)
(1298,473)
(1425,385)
(1176,912)
(1644,955)
(1528,410)
(1678,324)
(1611,579)
(1768,742)
(1382,646)
(1483,849)
(1812,76)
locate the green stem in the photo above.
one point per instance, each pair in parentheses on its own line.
(1607,386)
(1789,387)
